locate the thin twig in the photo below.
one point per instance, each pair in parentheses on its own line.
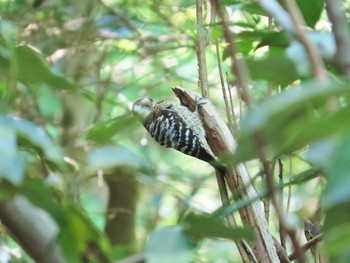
(307,246)
(281,182)
(211,11)
(238,66)
(231,106)
(200,48)
(267,201)
(290,186)
(227,106)
(341,34)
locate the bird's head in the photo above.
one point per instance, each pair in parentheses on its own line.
(143,107)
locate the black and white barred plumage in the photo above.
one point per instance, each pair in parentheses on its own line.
(174,126)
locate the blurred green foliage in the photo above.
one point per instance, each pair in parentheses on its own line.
(69,71)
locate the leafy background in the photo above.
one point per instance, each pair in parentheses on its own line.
(71,149)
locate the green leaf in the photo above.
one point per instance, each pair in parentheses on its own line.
(11,163)
(294,119)
(336,231)
(311,10)
(321,153)
(33,69)
(169,244)
(34,137)
(274,39)
(338,179)
(8,32)
(79,237)
(103,132)
(208,226)
(48,103)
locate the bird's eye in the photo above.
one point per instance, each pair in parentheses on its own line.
(169,107)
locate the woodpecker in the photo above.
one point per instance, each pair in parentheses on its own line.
(175,126)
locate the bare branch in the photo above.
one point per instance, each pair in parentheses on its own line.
(222,81)
(342,35)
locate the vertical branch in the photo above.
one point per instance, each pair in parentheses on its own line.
(122,202)
(227,106)
(290,186)
(341,33)
(281,182)
(267,202)
(230,218)
(200,48)
(231,105)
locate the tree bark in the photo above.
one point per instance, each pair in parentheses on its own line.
(123,196)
